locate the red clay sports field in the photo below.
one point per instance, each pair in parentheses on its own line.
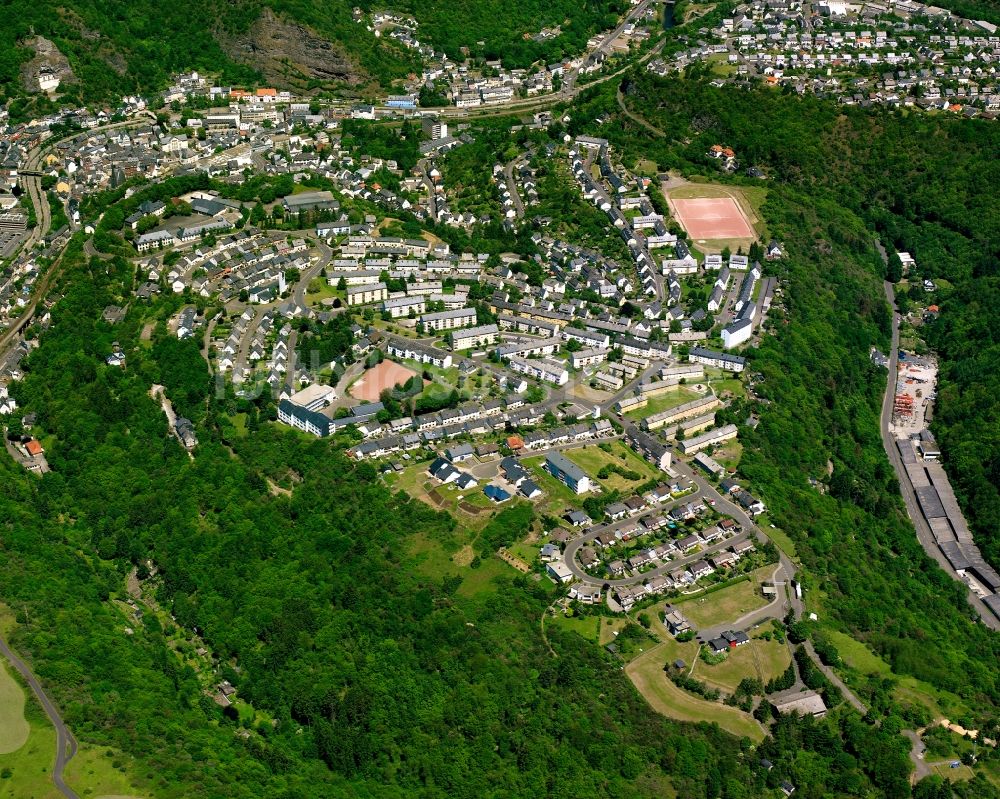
(385,375)
(712,218)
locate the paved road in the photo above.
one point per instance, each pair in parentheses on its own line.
(569,88)
(299,292)
(11,335)
(574,546)
(425,176)
(628,390)
(515,195)
(831,675)
(786,571)
(65,742)
(767,285)
(722,505)
(206,341)
(43,214)
(33,163)
(240,362)
(917,751)
(605,45)
(777,608)
(923,530)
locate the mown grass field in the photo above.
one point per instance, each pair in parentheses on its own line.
(14,727)
(729,454)
(586,626)
(30,767)
(557,497)
(780,538)
(592,459)
(319,289)
(761,659)
(93,772)
(471,507)
(727,604)
(102,773)
(731,385)
(647,674)
(945,771)
(609,628)
(664,402)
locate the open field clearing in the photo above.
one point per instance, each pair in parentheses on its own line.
(762,659)
(14,727)
(727,604)
(648,676)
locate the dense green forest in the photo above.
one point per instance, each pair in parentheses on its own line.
(968,408)
(121,48)
(374,664)
(405,683)
(136,46)
(509,35)
(382,679)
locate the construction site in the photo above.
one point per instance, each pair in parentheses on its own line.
(916,383)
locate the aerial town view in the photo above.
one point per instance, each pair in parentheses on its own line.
(499,400)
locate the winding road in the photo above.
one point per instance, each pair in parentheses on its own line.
(65,742)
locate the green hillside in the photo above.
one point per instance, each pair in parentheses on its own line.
(368,661)
(449,26)
(135,45)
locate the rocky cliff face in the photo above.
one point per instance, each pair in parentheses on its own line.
(290,55)
(47,60)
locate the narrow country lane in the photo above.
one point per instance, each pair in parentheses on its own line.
(65,742)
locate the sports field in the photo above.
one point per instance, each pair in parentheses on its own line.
(707,218)
(717,216)
(377,379)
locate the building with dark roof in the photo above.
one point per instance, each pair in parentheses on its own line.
(303,419)
(567,472)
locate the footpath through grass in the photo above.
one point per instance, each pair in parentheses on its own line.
(907,690)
